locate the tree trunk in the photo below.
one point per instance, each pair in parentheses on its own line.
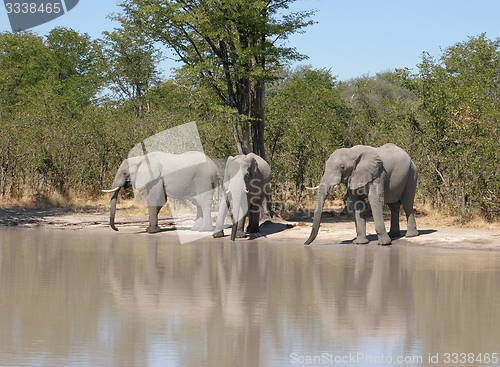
(243,106)
(5,170)
(246,138)
(257,94)
(236,134)
(3,180)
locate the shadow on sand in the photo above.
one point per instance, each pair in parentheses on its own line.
(269,227)
(28,216)
(374,237)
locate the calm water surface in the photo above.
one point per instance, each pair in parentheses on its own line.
(97,298)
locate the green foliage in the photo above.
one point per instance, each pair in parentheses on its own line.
(306,123)
(77,67)
(231,46)
(378,107)
(25,67)
(458,111)
(384,85)
(131,65)
(46,88)
(59,133)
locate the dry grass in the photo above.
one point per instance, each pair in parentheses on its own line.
(53,199)
(73,201)
(426,214)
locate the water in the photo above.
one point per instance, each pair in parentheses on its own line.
(98,298)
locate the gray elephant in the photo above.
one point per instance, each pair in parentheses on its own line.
(191,175)
(383,175)
(247,180)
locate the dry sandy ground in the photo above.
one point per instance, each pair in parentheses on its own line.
(334,230)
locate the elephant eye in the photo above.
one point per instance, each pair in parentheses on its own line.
(342,167)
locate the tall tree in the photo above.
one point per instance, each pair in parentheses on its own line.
(307,121)
(132,60)
(77,65)
(25,68)
(233,46)
(459,108)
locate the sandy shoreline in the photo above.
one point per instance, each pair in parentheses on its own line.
(334,230)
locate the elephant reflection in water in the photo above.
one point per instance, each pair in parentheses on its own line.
(214,286)
(361,305)
(152,294)
(244,300)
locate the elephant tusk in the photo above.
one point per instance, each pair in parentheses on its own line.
(227,192)
(112,190)
(312,188)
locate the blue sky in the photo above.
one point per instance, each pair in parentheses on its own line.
(352,38)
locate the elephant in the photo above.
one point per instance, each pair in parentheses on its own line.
(383,175)
(247,179)
(190,175)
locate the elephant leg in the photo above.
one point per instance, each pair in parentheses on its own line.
(253,217)
(205,203)
(224,206)
(240,231)
(253,222)
(265,205)
(394,232)
(407,199)
(358,208)
(153,219)
(376,200)
(411,230)
(199,218)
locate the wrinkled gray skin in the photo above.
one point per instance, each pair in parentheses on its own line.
(383,175)
(247,178)
(191,175)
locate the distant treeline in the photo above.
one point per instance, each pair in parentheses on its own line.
(71,108)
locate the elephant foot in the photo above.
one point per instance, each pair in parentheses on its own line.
(411,233)
(207,228)
(360,240)
(197,224)
(395,234)
(154,229)
(218,234)
(384,240)
(241,234)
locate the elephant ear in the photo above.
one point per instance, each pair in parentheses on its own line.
(228,169)
(368,168)
(254,166)
(147,170)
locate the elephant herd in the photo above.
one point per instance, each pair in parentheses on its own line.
(384,175)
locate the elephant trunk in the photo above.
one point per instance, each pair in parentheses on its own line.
(323,190)
(112,209)
(234,230)
(119,182)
